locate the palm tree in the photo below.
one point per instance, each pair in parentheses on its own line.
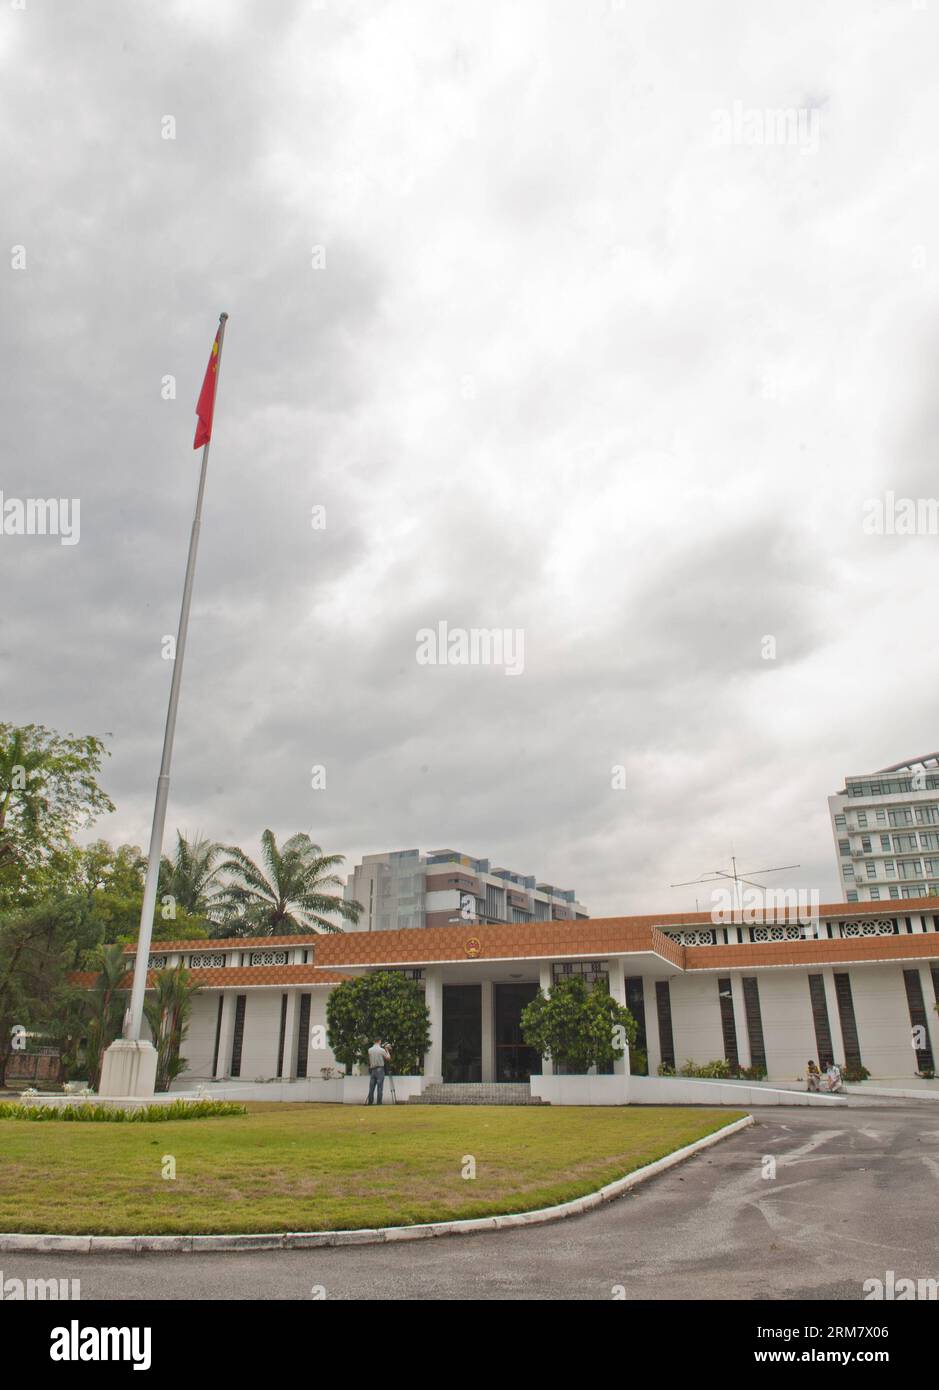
(191,876)
(290,894)
(168,1016)
(106,1007)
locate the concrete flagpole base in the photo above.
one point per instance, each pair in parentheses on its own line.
(129,1069)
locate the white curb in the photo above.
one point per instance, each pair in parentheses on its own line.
(304,1240)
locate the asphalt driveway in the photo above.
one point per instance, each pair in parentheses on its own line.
(808,1203)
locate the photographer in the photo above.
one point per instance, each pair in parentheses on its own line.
(378,1054)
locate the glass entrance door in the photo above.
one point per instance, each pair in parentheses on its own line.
(514,1060)
(462,1033)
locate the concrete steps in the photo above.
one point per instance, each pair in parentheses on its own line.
(477,1093)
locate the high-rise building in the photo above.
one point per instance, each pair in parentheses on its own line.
(886,830)
(405,888)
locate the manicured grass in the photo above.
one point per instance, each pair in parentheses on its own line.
(288,1167)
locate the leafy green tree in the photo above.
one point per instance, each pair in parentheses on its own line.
(190,877)
(288,896)
(48,791)
(384,1005)
(106,1006)
(38,945)
(577,1027)
(168,1014)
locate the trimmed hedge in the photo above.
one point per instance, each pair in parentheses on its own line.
(108,1114)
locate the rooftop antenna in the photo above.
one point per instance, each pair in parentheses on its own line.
(722,875)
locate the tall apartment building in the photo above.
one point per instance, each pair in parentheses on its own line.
(404,888)
(886,830)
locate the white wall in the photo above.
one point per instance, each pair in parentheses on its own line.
(883,1019)
(319,1056)
(696,1019)
(788,1026)
(679,1090)
(261,1034)
(200,1040)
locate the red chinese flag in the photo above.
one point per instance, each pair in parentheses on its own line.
(205,405)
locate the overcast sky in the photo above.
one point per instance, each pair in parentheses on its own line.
(568,359)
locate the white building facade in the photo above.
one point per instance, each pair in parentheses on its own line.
(886,832)
(403,889)
(857,984)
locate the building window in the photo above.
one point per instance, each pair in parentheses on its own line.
(866,844)
(852,895)
(821,1021)
(852,1046)
(281,1038)
(663,1003)
(844,847)
(862,820)
(875,895)
(918,1020)
(218,1034)
(268,958)
(728,1026)
(841,823)
(885,843)
(871,868)
(238,1036)
(751,1004)
(303,1035)
(589,971)
(636,1004)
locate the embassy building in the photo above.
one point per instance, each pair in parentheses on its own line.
(855,983)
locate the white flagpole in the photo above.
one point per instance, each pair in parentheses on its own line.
(133,1019)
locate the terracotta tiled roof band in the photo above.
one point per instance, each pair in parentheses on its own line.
(222,976)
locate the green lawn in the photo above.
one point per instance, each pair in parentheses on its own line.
(288,1167)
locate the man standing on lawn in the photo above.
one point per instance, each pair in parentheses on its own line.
(378,1055)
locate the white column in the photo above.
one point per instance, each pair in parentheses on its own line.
(834,1017)
(227,1032)
(290,1034)
(618,992)
(740,1020)
(653,1045)
(546,980)
(433,997)
(488,1072)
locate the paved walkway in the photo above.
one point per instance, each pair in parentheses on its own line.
(855,1194)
